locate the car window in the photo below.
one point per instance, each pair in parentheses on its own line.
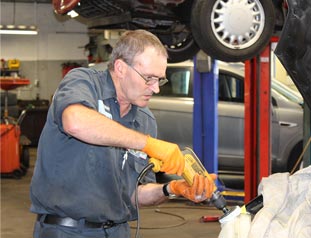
(231,88)
(179,82)
(274,102)
(287,92)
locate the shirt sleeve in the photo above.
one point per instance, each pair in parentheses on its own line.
(76,88)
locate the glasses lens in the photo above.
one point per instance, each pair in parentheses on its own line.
(162,81)
(152,81)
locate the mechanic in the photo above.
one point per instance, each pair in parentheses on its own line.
(98,137)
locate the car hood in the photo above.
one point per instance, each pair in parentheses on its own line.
(294,46)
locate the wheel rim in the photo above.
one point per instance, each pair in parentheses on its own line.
(237,24)
(175,43)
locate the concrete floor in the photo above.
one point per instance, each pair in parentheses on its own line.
(176,218)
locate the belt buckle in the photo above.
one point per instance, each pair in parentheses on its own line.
(108,225)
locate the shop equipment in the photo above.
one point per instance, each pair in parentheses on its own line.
(10,132)
(194,166)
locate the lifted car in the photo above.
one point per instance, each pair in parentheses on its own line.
(228,30)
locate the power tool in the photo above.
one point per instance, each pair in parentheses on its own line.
(194,166)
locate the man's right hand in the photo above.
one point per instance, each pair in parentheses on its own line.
(169,153)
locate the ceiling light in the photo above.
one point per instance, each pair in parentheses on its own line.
(18,30)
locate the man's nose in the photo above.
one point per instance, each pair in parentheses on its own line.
(155,87)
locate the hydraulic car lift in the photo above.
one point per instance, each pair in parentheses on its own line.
(205,116)
(257,96)
(257,144)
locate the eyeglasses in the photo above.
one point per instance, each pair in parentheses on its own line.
(150,80)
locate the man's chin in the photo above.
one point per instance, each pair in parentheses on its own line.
(143,103)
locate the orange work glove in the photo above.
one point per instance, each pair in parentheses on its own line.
(201,189)
(169,153)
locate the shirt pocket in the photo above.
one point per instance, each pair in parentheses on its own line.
(138,161)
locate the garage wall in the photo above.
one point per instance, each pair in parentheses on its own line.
(60,40)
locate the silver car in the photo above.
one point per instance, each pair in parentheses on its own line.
(173,108)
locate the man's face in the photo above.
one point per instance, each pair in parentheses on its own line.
(146,65)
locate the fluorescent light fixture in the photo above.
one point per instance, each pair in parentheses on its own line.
(18,30)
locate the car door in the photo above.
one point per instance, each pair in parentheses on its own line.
(231,122)
(173,107)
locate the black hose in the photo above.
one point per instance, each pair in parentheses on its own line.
(140,176)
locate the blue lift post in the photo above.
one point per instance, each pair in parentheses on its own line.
(205,118)
(205,111)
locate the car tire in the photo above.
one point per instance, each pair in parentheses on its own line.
(212,28)
(184,48)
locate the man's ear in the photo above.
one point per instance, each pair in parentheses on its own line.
(119,68)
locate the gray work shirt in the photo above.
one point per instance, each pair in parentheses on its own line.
(80,180)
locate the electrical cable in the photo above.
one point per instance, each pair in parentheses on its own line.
(157,210)
(140,176)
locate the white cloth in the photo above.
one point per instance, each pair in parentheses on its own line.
(287,208)
(236,228)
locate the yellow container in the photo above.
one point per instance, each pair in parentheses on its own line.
(13,64)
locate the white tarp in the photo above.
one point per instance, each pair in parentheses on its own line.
(286,212)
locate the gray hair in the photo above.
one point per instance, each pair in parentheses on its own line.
(132,43)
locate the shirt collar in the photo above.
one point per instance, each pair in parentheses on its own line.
(109,92)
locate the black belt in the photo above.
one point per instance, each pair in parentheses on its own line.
(69,222)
